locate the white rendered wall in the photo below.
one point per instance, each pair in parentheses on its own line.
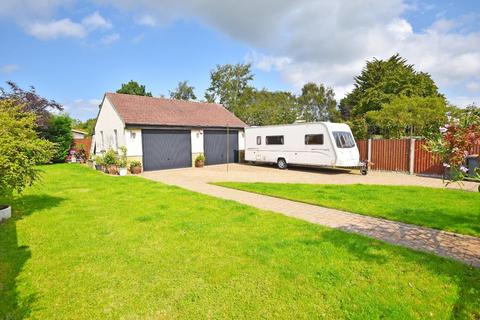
(108,121)
(241,139)
(197,141)
(133,139)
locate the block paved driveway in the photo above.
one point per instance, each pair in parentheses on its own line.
(447,244)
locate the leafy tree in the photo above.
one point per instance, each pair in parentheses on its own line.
(346,106)
(21,150)
(454,140)
(228,83)
(183,92)
(359,128)
(317,103)
(132,87)
(412,116)
(87,125)
(59,131)
(265,108)
(382,81)
(30,101)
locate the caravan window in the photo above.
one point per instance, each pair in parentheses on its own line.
(274,139)
(343,139)
(259,140)
(314,139)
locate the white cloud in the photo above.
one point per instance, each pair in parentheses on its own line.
(473,86)
(64,28)
(267,63)
(329,41)
(146,20)
(9,68)
(96,21)
(82,108)
(109,39)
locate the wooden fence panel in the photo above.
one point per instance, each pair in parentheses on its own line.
(86,142)
(425,162)
(363,149)
(390,154)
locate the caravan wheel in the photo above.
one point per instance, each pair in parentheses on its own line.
(281,164)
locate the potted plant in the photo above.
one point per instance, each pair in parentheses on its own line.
(99,163)
(135,167)
(122,161)
(200,161)
(110,160)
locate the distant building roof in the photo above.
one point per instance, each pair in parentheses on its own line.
(79,131)
(141,110)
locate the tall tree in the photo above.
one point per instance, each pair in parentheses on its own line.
(266,108)
(383,80)
(409,116)
(133,87)
(183,91)
(59,131)
(228,83)
(317,103)
(30,101)
(87,125)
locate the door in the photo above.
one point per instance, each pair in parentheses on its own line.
(166,149)
(216,143)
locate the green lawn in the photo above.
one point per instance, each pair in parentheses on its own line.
(84,245)
(445,209)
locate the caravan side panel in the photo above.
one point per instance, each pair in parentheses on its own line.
(294,149)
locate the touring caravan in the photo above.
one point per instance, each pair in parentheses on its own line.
(319,144)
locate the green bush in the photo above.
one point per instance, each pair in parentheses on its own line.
(200,157)
(110,158)
(59,131)
(21,150)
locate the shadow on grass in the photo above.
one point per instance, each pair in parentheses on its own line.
(13,256)
(467,279)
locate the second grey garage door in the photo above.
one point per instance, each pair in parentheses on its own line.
(215,146)
(166,149)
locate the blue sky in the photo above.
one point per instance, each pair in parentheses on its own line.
(74,51)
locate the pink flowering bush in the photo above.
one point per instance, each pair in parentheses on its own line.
(455,141)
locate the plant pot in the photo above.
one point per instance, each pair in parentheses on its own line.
(5,212)
(122,171)
(199,163)
(136,170)
(112,169)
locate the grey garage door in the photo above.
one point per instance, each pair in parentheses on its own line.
(215,146)
(166,149)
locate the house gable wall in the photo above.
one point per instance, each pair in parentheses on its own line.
(108,122)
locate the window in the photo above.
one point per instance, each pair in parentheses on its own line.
(259,140)
(103,142)
(274,139)
(314,139)
(343,139)
(116,138)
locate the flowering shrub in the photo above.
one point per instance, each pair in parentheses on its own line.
(454,142)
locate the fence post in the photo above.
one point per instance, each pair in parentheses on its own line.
(369,150)
(411,167)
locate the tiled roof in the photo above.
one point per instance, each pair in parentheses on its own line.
(140,110)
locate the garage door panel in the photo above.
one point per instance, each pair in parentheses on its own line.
(166,149)
(215,146)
